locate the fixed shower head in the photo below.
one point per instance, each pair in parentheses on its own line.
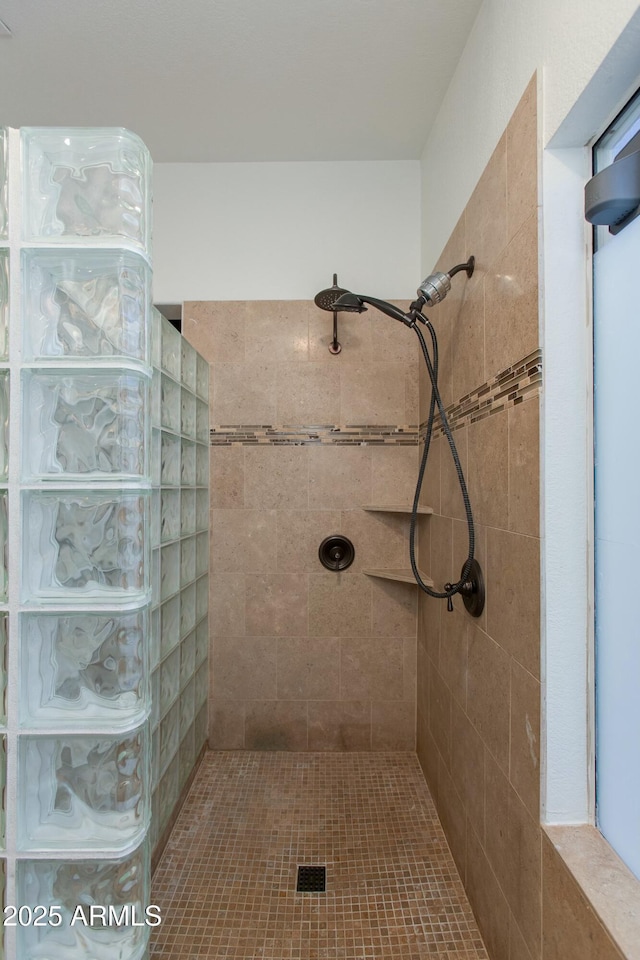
(328,299)
(436,286)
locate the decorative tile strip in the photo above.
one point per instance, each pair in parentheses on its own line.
(328,433)
(507,389)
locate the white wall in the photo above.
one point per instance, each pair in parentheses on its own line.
(278,231)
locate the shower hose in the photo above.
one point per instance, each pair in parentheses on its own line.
(449,589)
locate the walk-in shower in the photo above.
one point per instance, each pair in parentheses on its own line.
(431,291)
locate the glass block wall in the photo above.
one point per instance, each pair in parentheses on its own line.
(87,576)
(180,472)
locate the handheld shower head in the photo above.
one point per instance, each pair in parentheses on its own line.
(436,286)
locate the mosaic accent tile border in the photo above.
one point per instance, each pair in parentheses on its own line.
(507,389)
(347,435)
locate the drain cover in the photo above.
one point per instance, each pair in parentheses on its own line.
(312,880)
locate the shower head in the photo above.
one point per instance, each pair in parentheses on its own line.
(436,286)
(328,299)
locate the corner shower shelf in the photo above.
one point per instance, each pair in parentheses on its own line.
(403,575)
(395,508)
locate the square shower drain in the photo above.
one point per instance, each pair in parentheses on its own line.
(312,880)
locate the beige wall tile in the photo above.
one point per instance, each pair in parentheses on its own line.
(522,161)
(392,341)
(339,477)
(393,725)
(428,756)
(454,650)
(276,725)
(488,693)
(244,668)
(226,725)
(467,767)
(511,294)
(277,605)
(489,904)
(467,336)
(278,330)
(308,393)
(226,473)
(422,682)
(339,726)
(452,816)
(373,392)
(524,468)
(380,539)
(354,334)
(452,504)
(242,541)
(339,605)
(276,477)
(513,595)
(411,395)
(442,569)
(299,535)
(486,212)
(371,669)
(244,393)
(394,608)
(423,544)
(431,492)
(488,474)
(518,949)
(440,715)
(460,553)
(409,668)
(226,604)
(308,668)
(394,470)
(524,763)
(216,328)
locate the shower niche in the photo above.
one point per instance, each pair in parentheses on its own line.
(103,599)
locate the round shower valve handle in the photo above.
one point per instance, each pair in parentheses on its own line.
(336,553)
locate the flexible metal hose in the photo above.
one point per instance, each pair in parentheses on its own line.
(432,367)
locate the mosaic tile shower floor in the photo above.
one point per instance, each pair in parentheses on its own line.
(226,882)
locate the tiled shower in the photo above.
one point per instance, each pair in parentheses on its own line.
(103,600)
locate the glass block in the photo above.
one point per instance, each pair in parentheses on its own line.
(155,762)
(156,338)
(3,784)
(80,668)
(201,727)
(4,632)
(185,756)
(87,545)
(202,642)
(202,510)
(202,465)
(118,885)
(155,699)
(4,425)
(170,404)
(85,304)
(169,625)
(202,685)
(168,793)
(202,598)
(4,304)
(188,475)
(202,378)
(155,578)
(170,460)
(188,420)
(83,792)
(89,425)
(187,512)
(202,554)
(170,515)
(169,736)
(188,365)
(169,680)
(3,547)
(171,350)
(154,655)
(154,831)
(83,184)
(3,185)
(187,561)
(156,503)
(156,399)
(202,422)
(187,658)
(156,458)
(188,706)
(169,570)
(188,610)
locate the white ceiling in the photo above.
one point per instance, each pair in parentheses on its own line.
(237,80)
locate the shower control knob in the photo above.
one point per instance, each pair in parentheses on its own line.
(336,553)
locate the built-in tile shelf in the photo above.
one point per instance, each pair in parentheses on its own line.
(395,508)
(404,575)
